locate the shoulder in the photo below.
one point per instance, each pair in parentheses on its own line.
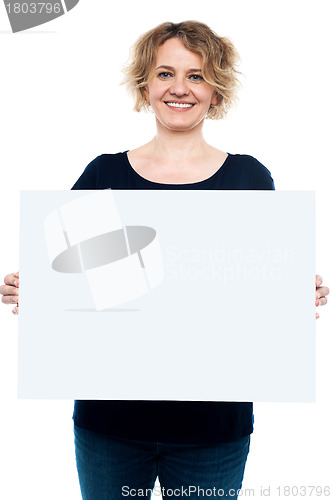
(105,161)
(97,172)
(249,163)
(251,172)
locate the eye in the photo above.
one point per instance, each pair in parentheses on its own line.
(164,74)
(196,78)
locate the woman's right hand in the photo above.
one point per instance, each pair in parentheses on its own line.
(9,290)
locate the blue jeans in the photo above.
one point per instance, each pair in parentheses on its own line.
(116,469)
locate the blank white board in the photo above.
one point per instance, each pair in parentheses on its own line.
(167,295)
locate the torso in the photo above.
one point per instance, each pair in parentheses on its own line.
(176,172)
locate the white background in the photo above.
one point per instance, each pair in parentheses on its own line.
(61,105)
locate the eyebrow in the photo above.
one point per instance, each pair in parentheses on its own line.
(198,70)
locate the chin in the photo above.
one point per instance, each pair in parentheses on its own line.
(178,126)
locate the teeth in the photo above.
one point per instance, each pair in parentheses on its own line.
(179,105)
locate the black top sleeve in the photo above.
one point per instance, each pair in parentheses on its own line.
(90,177)
(245,172)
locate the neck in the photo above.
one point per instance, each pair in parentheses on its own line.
(179,145)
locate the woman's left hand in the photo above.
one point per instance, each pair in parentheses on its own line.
(321,292)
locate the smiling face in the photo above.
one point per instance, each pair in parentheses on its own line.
(177,92)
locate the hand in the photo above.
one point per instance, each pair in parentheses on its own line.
(321,292)
(9,290)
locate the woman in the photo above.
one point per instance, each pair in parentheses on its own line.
(185,73)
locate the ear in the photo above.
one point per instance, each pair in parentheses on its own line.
(146,94)
(215,98)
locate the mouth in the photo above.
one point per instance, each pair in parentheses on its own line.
(179,105)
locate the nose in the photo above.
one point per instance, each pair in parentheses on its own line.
(179,86)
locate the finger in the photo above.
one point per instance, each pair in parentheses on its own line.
(319,280)
(8,290)
(317,315)
(9,299)
(15,310)
(11,279)
(322,291)
(322,301)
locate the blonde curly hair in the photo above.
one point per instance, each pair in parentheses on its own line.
(219,56)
